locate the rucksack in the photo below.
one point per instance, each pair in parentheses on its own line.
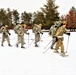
(36,29)
(54,28)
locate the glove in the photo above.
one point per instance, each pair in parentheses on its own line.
(56,38)
(37,33)
(55,26)
(26,29)
(4,33)
(28,33)
(41,33)
(9,33)
(68,34)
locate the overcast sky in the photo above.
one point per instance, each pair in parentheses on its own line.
(34,5)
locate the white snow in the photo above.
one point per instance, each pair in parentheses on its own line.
(32,61)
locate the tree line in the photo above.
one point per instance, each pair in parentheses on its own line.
(47,15)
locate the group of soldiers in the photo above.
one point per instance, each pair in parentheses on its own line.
(56,31)
(20,30)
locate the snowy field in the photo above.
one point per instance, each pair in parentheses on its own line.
(32,60)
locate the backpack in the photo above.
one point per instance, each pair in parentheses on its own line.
(36,29)
(54,28)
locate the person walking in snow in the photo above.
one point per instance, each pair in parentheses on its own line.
(19,30)
(52,32)
(59,34)
(37,31)
(5,35)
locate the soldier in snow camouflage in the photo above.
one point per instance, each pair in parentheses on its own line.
(52,32)
(19,30)
(37,31)
(5,35)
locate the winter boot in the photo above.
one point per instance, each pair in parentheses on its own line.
(16,45)
(36,45)
(1,44)
(52,48)
(9,45)
(22,47)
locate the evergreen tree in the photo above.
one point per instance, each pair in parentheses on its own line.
(3,17)
(9,15)
(38,17)
(26,17)
(15,16)
(50,12)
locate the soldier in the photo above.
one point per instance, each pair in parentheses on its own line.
(37,31)
(19,30)
(52,32)
(5,35)
(59,34)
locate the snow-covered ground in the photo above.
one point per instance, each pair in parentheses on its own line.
(32,60)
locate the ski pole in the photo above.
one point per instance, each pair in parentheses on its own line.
(46,49)
(47,44)
(32,41)
(31,37)
(28,40)
(40,38)
(67,45)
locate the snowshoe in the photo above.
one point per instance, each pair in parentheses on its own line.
(64,55)
(56,51)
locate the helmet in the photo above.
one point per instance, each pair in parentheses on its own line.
(57,22)
(40,25)
(3,28)
(64,22)
(24,26)
(6,26)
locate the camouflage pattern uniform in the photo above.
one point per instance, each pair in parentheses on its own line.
(19,30)
(5,35)
(37,31)
(52,32)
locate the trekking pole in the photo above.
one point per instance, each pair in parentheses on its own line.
(31,37)
(47,44)
(32,41)
(40,38)
(46,49)
(67,45)
(28,40)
